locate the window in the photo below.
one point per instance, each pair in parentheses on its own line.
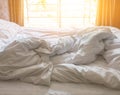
(59,13)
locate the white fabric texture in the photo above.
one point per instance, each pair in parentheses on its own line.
(112,53)
(20,88)
(39,59)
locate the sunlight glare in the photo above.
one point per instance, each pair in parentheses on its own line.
(55,13)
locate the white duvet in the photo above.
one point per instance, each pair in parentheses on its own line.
(40,58)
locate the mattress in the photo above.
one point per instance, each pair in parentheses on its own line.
(21,88)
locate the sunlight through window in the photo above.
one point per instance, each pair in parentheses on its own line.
(59,13)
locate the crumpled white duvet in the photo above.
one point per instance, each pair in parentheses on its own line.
(37,58)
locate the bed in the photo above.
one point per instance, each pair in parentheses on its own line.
(59,62)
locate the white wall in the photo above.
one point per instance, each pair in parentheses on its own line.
(4,13)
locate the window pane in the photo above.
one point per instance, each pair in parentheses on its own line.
(39,11)
(42,1)
(42,22)
(74,22)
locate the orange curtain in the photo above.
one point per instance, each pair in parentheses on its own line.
(16,11)
(108,13)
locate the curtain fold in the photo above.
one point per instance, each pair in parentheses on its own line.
(108,13)
(16,11)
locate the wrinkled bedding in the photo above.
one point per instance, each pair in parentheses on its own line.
(39,58)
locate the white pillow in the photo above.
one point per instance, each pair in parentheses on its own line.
(8,32)
(9,28)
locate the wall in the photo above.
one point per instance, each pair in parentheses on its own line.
(4,13)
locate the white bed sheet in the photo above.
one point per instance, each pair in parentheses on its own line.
(20,88)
